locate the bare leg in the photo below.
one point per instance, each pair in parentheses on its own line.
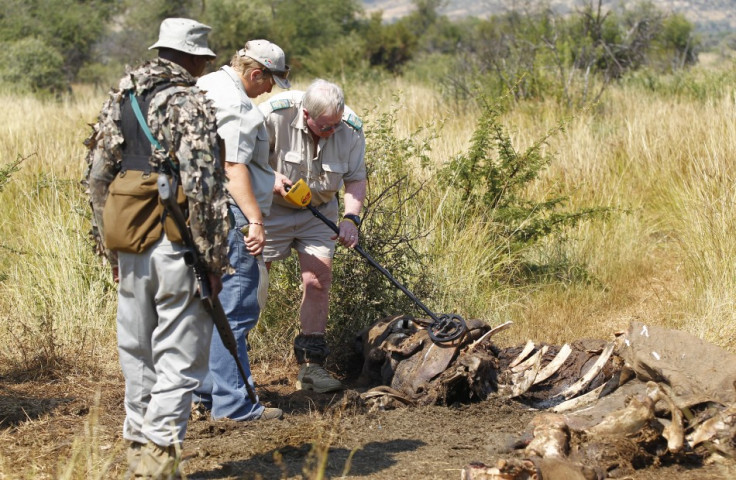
(317,280)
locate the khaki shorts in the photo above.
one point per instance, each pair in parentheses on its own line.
(288,228)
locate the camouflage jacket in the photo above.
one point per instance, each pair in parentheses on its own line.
(183,121)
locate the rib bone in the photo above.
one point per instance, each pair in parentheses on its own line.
(581,384)
(531,361)
(524,353)
(490,333)
(521,382)
(552,367)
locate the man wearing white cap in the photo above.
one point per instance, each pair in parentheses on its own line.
(157,121)
(253,70)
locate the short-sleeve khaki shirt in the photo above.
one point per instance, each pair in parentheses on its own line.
(339,158)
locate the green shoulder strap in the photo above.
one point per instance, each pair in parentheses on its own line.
(146,130)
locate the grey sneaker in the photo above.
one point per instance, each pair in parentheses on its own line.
(271,414)
(313,376)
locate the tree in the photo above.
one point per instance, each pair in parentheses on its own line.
(678,37)
(31,65)
(137,27)
(62,28)
(318,35)
(234,22)
(391,45)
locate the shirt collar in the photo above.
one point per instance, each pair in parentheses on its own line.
(234,76)
(299,122)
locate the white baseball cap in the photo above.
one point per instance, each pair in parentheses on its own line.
(270,56)
(184,35)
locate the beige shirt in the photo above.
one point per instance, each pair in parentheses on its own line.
(339,159)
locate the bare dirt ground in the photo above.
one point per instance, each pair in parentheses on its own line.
(45,423)
(320,435)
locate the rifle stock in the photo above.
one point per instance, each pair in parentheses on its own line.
(194,259)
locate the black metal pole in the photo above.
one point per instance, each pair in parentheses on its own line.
(375,264)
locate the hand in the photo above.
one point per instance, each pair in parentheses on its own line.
(115,274)
(348,234)
(255,239)
(280,183)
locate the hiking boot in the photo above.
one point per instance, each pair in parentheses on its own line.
(271,414)
(155,462)
(314,377)
(133,455)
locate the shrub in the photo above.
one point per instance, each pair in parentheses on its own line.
(31,65)
(492,180)
(7,170)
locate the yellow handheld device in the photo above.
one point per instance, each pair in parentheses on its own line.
(299,194)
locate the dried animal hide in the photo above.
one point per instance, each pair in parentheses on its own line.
(398,353)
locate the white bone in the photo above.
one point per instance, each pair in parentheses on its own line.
(674,432)
(524,353)
(491,333)
(581,384)
(531,361)
(581,401)
(552,367)
(627,420)
(521,382)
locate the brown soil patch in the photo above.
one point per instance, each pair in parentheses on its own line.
(42,419)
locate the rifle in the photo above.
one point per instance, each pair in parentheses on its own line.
(194,259)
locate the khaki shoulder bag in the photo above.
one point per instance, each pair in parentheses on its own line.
(133,216)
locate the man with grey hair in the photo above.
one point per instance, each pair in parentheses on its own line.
(158,122)
(315,137)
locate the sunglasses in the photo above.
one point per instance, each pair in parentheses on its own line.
(327,128)
(283,75)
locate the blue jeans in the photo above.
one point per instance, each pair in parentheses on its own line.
(223,390)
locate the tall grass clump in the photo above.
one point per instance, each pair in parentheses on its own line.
(56,302)
(698,200)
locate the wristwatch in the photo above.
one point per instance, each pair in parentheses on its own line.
(353,218)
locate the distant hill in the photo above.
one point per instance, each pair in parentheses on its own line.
(707,15)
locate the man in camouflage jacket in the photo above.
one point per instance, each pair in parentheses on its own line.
(163,330)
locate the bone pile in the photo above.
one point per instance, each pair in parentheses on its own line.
(649,396)
(671,400)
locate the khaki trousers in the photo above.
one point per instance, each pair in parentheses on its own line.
(163,342)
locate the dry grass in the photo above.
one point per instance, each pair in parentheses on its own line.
(662,162)
(667,256)
(56,305)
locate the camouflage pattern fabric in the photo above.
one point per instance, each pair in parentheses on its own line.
(183,121)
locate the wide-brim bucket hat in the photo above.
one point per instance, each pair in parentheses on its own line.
(271,56)
(184,35)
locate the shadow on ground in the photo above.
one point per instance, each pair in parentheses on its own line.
(289,462)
